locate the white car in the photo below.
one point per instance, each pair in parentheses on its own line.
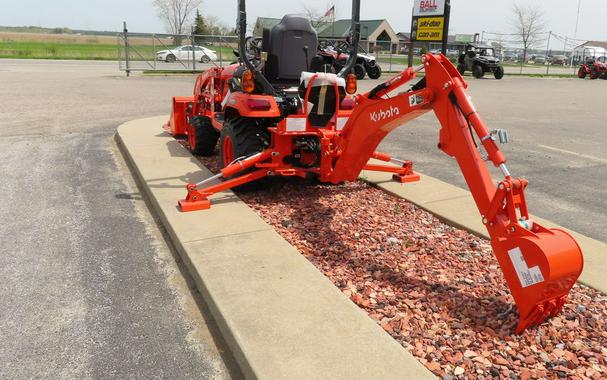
(184,53)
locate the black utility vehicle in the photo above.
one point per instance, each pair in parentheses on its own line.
(479,59)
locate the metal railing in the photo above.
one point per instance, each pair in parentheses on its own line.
(173,52)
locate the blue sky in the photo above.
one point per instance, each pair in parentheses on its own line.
(468,16)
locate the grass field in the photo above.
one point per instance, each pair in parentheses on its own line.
(89,47)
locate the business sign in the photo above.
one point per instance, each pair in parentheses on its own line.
(467,38)
(430,20)
(430,28)
(428,8)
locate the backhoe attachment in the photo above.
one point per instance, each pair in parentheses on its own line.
(540,265)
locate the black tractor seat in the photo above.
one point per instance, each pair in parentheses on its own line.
(291,45)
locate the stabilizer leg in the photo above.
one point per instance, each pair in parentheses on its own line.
(199,199)
(402,174)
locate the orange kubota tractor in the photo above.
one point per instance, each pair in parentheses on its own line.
(274,114)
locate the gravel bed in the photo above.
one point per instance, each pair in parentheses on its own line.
(436,289)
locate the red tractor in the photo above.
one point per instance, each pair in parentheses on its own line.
(595,68)
(275,114)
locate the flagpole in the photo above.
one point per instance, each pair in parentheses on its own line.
(333,23)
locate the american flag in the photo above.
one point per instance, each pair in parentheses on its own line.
(330,12)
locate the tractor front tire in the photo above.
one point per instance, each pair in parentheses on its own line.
(478,71)
(241,137)
(202,136)
(374,72)
(461,68)
(359,71)
(499,72)
(581,73)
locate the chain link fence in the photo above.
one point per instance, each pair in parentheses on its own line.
(173,52)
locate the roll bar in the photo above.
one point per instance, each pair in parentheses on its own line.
(242,51)
(354,39)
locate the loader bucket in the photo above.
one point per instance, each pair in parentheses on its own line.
(540,269)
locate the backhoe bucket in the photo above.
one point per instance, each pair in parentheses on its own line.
(540,269)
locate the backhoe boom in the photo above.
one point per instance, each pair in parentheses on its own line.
(540,265)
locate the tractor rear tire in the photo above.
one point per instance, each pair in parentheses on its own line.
(478,71)
(202,136)
(242,137)
(359,71)
(581,73)
(499,72)
(374,72)
(461,68)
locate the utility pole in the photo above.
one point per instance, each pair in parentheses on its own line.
(547,49)
(577,22)
(577,18)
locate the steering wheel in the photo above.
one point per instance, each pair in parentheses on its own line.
(253,45)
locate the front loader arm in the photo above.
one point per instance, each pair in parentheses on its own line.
(540,265)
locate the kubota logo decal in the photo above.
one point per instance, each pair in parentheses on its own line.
(383,115)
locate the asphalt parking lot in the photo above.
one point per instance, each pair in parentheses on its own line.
(90,287)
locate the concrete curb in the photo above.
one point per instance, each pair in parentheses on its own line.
(456,207)
(279,315)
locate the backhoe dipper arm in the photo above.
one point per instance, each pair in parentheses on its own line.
(540,265)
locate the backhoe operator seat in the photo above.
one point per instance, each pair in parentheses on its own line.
(286,45)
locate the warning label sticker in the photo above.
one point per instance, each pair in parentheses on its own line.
(415,100)
(527,276)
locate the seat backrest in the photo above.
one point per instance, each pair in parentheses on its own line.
(286,46)
(322,100)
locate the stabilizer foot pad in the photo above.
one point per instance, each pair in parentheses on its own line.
(186,205)
(406,178)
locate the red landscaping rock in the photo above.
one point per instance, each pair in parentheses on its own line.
(435,289)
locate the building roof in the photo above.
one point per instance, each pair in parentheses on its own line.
(338,29)
(404,36)
(266,22)
(341,28)
(601,44)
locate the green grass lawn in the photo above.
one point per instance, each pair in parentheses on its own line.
(56,50)
(88,51)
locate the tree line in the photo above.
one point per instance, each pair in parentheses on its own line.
(182,17)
